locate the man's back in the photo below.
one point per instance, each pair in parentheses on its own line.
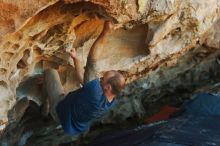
(80,107)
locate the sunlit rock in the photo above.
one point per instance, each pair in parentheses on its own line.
(161,47)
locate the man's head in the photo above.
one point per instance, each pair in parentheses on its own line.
(112,82)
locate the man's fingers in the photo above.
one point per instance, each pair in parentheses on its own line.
(108,24)
(72,50)
(117,26)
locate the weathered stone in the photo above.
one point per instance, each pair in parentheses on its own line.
(162,47)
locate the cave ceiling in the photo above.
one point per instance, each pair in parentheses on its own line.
(155,43)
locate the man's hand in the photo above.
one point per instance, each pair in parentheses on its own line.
(78,65)
(73,53)
(108,26)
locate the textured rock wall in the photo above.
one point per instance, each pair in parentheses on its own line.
(159,45)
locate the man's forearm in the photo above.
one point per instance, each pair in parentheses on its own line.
(94,54)
(97,47)
(79,69)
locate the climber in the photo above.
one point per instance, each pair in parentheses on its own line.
(76,111)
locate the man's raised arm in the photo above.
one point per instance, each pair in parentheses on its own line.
(95,52)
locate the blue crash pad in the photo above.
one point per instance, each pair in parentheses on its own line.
(198,126)
(205,104)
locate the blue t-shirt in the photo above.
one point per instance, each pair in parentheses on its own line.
(79,108)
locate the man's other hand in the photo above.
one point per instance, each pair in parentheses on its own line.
(73,53)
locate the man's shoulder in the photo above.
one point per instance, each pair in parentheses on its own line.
(92,81)
(92,84)
(93,87)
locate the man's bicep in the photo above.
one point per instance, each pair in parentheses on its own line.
(91,72)
(92,89)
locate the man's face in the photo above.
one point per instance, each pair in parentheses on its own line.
(104,79)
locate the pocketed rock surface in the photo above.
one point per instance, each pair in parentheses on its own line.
(166,50)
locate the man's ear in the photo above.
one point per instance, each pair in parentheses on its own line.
(109,87)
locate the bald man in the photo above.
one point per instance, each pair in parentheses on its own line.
(76,111)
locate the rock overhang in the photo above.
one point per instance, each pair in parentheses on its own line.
(152,37)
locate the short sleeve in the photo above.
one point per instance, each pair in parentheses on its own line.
(91,71)
(93,88)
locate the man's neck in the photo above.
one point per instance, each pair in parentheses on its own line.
(110,98)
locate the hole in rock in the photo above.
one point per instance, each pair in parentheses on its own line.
(24,60)
(15,46)
(2,71)
(6,45)
(21,64)
(37,50)
(7,55)
(3,84)
(31,87)
(53,32)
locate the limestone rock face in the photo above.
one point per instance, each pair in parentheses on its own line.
(160,46)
